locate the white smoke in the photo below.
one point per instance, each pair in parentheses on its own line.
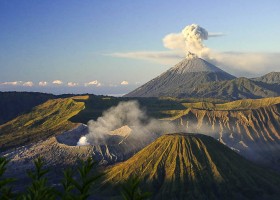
(82,141)
(125,113)
(190,40)
(174,41)
(194,36)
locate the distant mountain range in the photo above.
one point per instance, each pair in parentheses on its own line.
(197,78)
(188,166)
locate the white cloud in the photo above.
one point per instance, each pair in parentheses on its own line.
(93,83)
(237,63)
(82,141)
(57,82)
(72,84)
(245,64)
(162,57)
(216,34)
(11,83)
(233,62)
(124,83)
(191,39)
(28,84)
(174,41)
(43,83)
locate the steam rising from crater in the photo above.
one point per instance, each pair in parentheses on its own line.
(125,113)
(82,141)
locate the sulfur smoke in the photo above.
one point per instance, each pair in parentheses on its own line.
(124,114)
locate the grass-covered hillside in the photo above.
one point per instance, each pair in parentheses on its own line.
(251,127)
(244,104)
(96,105)
(187,166)
(13,104)
(47,119)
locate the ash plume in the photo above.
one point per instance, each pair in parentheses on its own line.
(124,114)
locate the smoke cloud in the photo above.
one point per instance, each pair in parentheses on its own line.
(190,40)
(82,141)
(124,114)
(194,36)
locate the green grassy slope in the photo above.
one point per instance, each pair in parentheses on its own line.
(235,105)
(13,104)
(186,166)
(96,105)
(43,121)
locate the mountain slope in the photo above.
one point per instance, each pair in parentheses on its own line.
(13,104)
(197,78)
(187,166)
(271,78)
(251,127)
(43,121)
(239,88)
(181,79)
(60,151)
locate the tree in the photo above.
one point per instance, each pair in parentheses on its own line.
(132,191)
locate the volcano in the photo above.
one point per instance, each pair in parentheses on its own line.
(195,166)
(194,77)
(182,79)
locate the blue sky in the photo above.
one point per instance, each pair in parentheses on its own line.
(77,41)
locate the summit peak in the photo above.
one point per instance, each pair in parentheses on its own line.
(194,64)
(191,55)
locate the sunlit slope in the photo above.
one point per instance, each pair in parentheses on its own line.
(43,121)
(235,105)
(13,104)
(186,166)
(251,127)
(96,105)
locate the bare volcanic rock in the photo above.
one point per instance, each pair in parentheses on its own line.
(272,77)
(181,79)
(196,78)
